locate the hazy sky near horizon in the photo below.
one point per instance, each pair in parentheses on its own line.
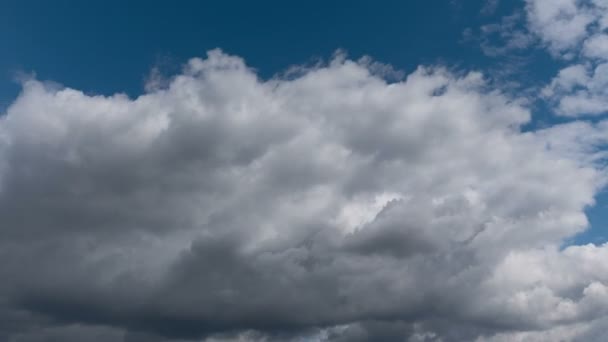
(306,171)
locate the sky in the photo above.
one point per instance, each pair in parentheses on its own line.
(303,171)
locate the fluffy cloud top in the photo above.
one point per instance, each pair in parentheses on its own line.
(329,205)
(564,24)
(575,30)
(580,89)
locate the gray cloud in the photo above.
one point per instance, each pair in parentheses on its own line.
(331,206)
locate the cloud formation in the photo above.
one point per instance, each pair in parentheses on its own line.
(564,24)
(575,31)
(330,205)
(579,89)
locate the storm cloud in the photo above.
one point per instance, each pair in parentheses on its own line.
(327,204)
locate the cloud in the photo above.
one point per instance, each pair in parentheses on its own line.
(331,205)
(579,89)
(562,24)
(574,30)
(505,38)
(596,47)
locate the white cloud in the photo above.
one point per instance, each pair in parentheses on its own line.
(561,24)
(574,30)
(596,46)
(580,89)
(333,200)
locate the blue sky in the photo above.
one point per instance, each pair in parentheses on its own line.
(110,46)
(322,171)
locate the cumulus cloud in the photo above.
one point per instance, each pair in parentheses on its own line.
(596,46)
(579,89)
(562,24)
(331,205)
(574,30)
